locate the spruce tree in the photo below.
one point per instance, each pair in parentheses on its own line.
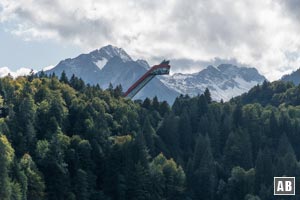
(202,174)
(207,95)
(35,182)
(149,134)
(64,78)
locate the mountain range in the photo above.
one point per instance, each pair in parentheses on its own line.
(293,77)
(113,65)
(224,81)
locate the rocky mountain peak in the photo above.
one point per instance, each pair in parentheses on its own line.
(109,51)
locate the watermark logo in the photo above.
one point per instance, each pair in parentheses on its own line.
(284,185)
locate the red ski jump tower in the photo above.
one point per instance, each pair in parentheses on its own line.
(161,69)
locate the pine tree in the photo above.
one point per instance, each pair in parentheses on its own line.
(118,91)
(16,193)
(241,183)
(139,151)
(263,169)
(155,103)
(138,184)
(20,181)
(64,78)
(31,75)
(149,134)
(207,95)
(168,132)
(42,74)
(81,185)
(238,151)
(110,88)
(36,185)
(202,174)
(55,166)
(238,115)
(202,105)
(185,134)
(147,103)
(164,108)
(169,177)
(77,83)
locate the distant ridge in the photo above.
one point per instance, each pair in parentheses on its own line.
(224,82)
(113,65)
(293,77)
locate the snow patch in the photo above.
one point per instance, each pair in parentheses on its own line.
(48,67)
(101,63)
(221,86)
(124,57)
(112,51)
(242,87)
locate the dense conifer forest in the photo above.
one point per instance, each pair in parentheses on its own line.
(67,140)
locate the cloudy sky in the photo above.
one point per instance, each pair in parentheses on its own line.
(263,34)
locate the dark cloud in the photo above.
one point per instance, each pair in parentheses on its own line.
(292,7)
(70,26)
(251,31)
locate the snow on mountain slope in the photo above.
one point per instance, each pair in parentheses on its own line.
(113,65)
(101,63)
(224,82)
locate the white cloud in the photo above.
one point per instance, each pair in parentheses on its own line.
(259,33)
(4,71)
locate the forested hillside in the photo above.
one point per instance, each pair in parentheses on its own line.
(64,139)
